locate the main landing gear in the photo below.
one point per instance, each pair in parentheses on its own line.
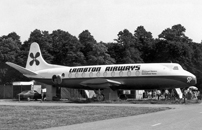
(99,95)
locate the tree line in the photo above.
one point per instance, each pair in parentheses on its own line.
(60,47)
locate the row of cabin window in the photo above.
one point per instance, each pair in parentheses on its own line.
(98,74)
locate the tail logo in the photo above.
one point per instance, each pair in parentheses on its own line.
(34,59)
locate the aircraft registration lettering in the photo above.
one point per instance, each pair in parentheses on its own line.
(122,68)
(149,72)
(89,69)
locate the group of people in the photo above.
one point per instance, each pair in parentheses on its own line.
(192,94)
(172,94)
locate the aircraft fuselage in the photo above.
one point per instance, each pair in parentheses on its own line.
(130,76)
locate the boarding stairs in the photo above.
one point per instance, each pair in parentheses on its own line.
(179,92)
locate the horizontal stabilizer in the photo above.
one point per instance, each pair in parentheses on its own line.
(99,82)
(21,69)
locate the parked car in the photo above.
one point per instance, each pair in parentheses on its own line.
(30,94)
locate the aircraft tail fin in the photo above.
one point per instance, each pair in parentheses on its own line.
(35,60)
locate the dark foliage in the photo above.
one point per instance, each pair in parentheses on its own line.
(60,47)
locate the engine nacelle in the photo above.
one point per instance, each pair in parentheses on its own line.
(57,79)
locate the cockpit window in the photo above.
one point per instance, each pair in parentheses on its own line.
(175,68)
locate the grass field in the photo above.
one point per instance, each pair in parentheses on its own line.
(39,117)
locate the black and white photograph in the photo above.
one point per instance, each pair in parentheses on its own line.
(100,65)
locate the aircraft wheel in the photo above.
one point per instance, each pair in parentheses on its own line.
(100,97)
(123,97)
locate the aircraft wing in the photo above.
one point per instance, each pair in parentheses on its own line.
(100,83)
(21,69)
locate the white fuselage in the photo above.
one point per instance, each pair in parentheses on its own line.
(130,76)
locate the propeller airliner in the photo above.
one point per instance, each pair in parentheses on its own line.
(98,77)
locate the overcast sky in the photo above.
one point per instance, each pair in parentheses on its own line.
(103,18)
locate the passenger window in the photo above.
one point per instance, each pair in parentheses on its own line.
(70,75)
(76,75)
(83,74)
(175,68)
(121,73)
(91,74)
(98,74)
(129,73)
(113,73)
(105,74)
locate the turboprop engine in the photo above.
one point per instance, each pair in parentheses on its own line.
(57,79)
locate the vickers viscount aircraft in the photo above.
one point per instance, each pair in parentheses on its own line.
(99,77)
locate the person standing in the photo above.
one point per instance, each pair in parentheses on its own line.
(158,92)
(166,94)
